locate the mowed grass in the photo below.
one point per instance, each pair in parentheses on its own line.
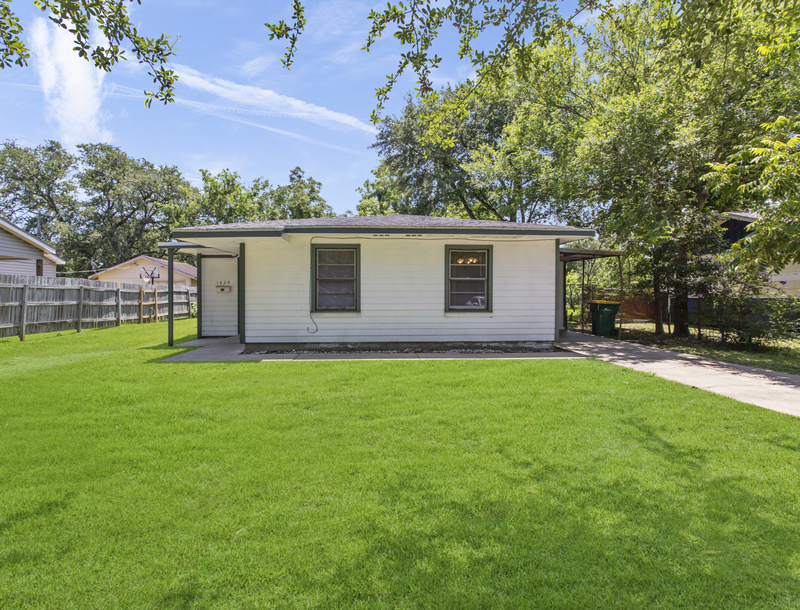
(128,482)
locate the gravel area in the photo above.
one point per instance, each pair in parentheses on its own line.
(356,350)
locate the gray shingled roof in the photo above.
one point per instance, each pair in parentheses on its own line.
(377,222)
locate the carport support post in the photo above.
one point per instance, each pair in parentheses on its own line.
(240,288)
(621,297)
(564,292)
(583,273)
(171,293)
(199,296)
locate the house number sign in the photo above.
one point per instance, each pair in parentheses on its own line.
(223,285)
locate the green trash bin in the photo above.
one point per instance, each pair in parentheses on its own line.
(604,313)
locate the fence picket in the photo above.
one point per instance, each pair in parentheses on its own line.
(23,312)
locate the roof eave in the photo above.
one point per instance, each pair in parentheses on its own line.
(28,238)
(570,232)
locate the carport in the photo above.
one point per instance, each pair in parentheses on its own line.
(569,255)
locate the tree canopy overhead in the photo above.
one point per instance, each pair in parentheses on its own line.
(492,34)
(695,28)
(79,17)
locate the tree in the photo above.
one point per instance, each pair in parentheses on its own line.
(130,205)
(656,130)
(78,18)
(37,187)
(225,199)
(528,172)
(300,198)
(764,176)
(694,29)
(381,195)
(429,172)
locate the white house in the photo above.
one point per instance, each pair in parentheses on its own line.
(23,254)
(147,270)
(379,281)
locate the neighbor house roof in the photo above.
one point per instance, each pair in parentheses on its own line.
(47,251)
(182,268)
(743,216)
(393,223)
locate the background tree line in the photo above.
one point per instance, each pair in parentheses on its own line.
(103,206)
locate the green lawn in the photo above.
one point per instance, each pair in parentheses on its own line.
(127,482)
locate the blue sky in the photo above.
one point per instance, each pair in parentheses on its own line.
(236,108)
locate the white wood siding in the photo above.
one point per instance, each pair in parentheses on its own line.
(27,267)
(220,309)
(13,247)
(402,292)
(18,257)
(791,275)
(49,269)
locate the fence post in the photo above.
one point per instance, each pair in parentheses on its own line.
(155,302)
(23,312)
(80,308)
(119,306)
(141,304)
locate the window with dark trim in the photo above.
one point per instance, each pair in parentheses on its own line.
(469,278)
(39,267)
(335,277)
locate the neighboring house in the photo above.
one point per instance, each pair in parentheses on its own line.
(736,228)
(379,281)
(147,270)
(23,254)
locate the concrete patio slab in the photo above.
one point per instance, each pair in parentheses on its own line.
(760,387)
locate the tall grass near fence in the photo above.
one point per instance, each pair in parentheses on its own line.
(31,304)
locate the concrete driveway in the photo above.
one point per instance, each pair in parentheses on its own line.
(776,391)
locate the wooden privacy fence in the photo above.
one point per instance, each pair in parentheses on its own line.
(30,304)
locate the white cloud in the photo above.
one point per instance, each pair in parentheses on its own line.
(335,20)
(229,113)
(462,74)
(266,100)
(72,86)
(257,65)
(282,132)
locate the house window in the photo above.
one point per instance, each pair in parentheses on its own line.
(335,278)
(469,279)
(39,267)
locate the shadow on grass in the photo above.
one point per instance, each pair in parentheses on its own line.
(163,350)
(42,510)
(785,442)
(647,437)
(186,594)
(580,536)
(17,556)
